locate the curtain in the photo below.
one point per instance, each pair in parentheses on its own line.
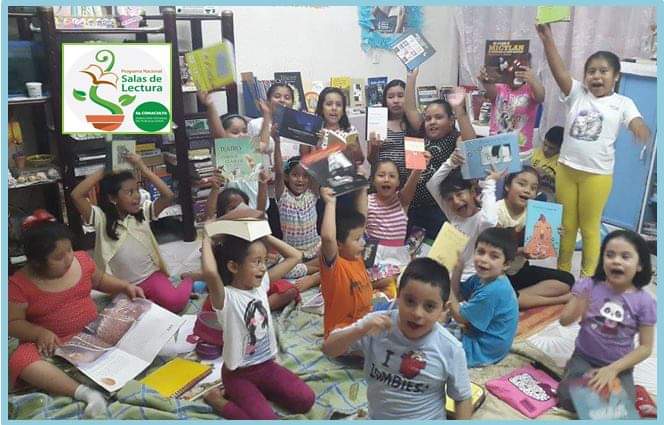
(624,31)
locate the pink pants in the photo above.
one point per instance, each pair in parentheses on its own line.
(159,289)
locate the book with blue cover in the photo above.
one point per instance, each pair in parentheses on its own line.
(611,403)
(543,219)
(375,87)
(499,152)
(413,49)
(297,126)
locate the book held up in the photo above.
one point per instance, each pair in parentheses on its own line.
(212,67)
(499,152)
(502,58)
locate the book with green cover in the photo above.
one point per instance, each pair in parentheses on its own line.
(237,158)
(212,67)
(550,14)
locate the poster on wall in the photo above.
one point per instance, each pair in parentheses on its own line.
(116,88)
(382,25)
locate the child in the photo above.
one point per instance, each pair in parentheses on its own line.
(613,309)
(535,286)
(456,197)
(237,280)
(221,203)
(515,106)
(490,313)
(410,360)
(545,161)
(344,284)
(124,243)
(49,302)
(583,178)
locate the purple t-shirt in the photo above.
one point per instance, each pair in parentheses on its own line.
(613,318)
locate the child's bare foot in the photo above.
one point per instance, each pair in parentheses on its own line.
(215,398)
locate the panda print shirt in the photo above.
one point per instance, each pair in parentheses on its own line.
(613,318)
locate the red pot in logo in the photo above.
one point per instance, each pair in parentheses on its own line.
(105,122)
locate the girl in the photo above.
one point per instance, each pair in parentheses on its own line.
(124,243)
(49,302)
(613,308)
(535,286)
(237,281)
(595,113)
(514,106)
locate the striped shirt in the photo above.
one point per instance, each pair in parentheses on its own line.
(386,221)
(298,218)
(393,149)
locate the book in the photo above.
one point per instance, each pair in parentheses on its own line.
(612,403)
(478,395)
(415,239)
(236,158)
(297,126)
(311,101)
(212,380)
(543,219)
(357,93)
(250,94)
(503,57)
(426,95)
(377,122)
(375,88)
(414,148)
(412,49)
(294,80)
(449,242)
(212,67)
(197,127)
(176,377)
(116,154)
(315,304)
(500,151)
(551,14)
(370,250)
(344,84)
(248,229)
(124,339)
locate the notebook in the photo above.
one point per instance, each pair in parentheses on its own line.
(477,397)
(176,376)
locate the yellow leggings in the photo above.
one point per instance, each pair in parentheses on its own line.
(583,196)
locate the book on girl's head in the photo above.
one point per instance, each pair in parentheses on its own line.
(343,83)
(237,158)
(449,242)
(294,80)
(375,88)
(248,229)
(377,122)
(499,152)
(176,377)
(551,14)
(116,155)
(413,49)
(414,148)
(297,126)
(426,95)
(212,67)
(503,57)
(611,403)
(543,219)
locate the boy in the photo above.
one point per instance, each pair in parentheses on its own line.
(545,161)
(344,280)
(490,313)
(410,360)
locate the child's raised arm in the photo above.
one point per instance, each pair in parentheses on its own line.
(457,100)
(291,256)
(211,274)
(217,181)
(489,208)
(261,197)
(338,341)
(278,169)
(328,231)
(264,135)
(80,192)
(488,84)
(558,69)
(413,115)
(640,129)
(216,128)
(433,185)
(166,195)
(527,75)
(455,291)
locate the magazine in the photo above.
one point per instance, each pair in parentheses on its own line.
(123,341)
(377,122)
(413,49)
(116,154)
(613,403)
(237,158)
(297,126)
(500,152)
(212,67)
(294,80)
(375,87)
(503,57)
(543,219)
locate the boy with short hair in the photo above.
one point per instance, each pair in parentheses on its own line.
(489,310)
(545,161)
(344,280)
(410,360)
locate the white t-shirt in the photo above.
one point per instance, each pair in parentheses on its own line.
(592,127)
(249,337)
(132,261)
(506,220)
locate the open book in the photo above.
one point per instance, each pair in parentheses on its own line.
(123,340)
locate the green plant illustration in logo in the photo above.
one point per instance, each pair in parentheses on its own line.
(99,77)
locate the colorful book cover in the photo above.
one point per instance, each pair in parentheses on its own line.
(613,403)
(426,95)
(375,87)
(236,158)
(116,155)
(297,126)
(543,219)
(357,93)
(415,239)
(503,57)
(212,67)
(499,152)
(551,14)
(414,148)
(413,49)
(370,250)
(449,242)
(344,83)
(294,80)
(377,122)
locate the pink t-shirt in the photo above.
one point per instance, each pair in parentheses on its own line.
(515,110)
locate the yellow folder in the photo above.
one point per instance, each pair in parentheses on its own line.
(176,376)
(446,247)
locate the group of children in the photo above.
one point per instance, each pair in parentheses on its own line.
(412,353)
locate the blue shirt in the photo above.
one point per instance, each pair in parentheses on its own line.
(493,312)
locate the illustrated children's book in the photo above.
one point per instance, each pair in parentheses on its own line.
(294,80)
(212,67)
(543,219)
(503,57)
(212,380)
(377,122)
(357,93)
(375,87)
(237,158)
(426,95)
(499,152)
(176,377)
(343,83)
(297,126)
(123,340)
(248,229)
(415,239)
(413,49)
(414,148)
(530,391)
(116,154)
(449,242)
(611,403)
(551,14)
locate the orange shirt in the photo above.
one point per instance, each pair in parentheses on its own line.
(346,291)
